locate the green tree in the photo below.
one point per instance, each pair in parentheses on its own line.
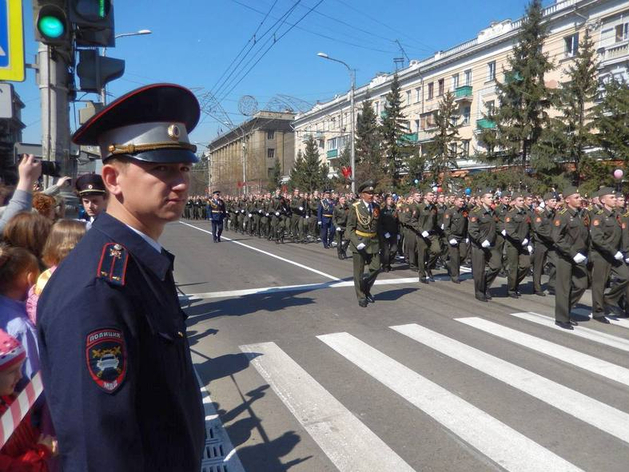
(442,152)
(296,176)
(275,180)
(568,136)
(368,144)
(395,148)
(523,98)
(308,173)
(612,121)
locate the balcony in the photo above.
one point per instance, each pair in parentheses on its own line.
(409,138)
(484,124)
(333,153)
(463,93)
(618,52)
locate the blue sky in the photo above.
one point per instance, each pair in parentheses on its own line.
(193,43)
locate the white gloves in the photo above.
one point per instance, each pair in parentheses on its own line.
(387,235)
(259,211)
(338,228)
(627,260)
(277,213)
(267,214)
(579,258)
(425,234)
(525,241)
(618,256)
(453,242)
(399,236)
(504,232)
(319,223)
(530,249)
(443,226)
(250,215)
(486,244)
(467,240)
(361,246)
(301,208)
(307,217)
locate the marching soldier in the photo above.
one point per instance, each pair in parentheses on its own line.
(313,208)
(324,218)
(544,250)
(428,239)
(339,221)
(364,231)
(217,214)
(455,229)
(571,237)
(607,256)
(390,233)
(298,211)
(482,233)
(519,246)
(501,211)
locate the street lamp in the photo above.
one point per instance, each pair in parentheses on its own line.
(103,92)
(352,77)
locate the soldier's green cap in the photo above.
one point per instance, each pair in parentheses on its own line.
(367,187)
(570,190)
(484,191)
(606,191)
(550,196)
(515,195)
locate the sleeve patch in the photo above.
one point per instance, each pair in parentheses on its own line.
(106,357)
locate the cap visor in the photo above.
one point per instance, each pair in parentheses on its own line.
(164,156)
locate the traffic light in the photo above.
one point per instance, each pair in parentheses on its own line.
(51,22)
(95,71)
(94,21)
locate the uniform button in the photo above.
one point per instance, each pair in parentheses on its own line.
(180,334)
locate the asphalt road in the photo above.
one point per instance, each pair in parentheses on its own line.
(425,379)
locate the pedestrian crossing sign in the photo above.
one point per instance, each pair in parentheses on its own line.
(11,41)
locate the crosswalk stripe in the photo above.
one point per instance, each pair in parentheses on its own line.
(620,322)
(565,354)
(502,444)
(585,333)
(593,412)
(348,443)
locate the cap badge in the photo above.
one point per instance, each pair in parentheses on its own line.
(90,187)
(174,132)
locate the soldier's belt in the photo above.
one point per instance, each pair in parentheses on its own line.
(328,216)
(216,211)
(366,235)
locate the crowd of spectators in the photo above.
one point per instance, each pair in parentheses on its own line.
(36,237)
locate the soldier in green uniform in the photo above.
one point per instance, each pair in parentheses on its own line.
(607,257)
(501,211)
(482,233)
(571,238)
(298,209)
(410,221)
(518,243)
(455,229)
(339,220)
(389,232)
(427,237)
(544,248)
(364,232)
(313,208)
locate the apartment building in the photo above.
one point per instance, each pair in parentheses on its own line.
(242,160)
(470,70)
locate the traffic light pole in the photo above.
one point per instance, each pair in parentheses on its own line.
(52,80)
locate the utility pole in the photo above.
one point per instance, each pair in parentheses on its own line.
(52,79)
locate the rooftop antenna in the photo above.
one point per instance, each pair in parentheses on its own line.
(402,51)
(399,62)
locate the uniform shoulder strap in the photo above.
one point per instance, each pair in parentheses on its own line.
(113,264)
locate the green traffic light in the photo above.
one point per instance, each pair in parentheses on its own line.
(51,26)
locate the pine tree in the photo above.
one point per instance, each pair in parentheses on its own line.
(275,180)
(568,136)
(612,120)
(523,97)
(442,152)
(370,164)
(309,173)
(297,172)
(395,148)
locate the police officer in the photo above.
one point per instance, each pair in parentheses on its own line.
(91,190)
(571,238)
(482,232)
(455,229)
(115,357)
(217,214)
(364,231)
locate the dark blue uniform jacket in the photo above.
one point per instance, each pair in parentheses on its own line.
(116,362)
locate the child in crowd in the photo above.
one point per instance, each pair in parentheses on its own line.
(19,270)
(30,231)
(27,450)
(64,235)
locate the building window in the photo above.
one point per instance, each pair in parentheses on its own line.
(468,77)
(622,32)
(270,153)
(572,45)
(466,112)
(465,148)
(455,81)
(453,149)
(418,94)
(491,71)
(332,144)
(431,90)
(377,108)
(442,86)
(489,106)
(428,120)
(270,135)
(321,143)
(417,126)
(408,97)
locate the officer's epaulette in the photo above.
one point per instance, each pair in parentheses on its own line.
(562,211)
(599,212)
(113,264)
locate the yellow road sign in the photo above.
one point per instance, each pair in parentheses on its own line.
(11,41)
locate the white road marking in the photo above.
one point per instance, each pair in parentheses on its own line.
(582,407)
(502,444)
(347,442)
(564,354)
(585,333)
(331,277)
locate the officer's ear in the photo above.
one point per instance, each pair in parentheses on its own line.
(111,173)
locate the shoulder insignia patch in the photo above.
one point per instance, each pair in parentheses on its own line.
(561,212)
(106,357)
(596,222)
(557,222)
(113,263)
(538,220)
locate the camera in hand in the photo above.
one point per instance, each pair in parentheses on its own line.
(50,168)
